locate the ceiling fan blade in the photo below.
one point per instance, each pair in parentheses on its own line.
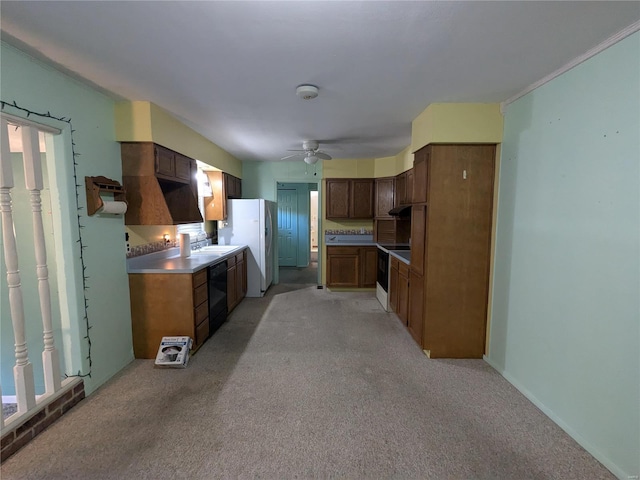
(295,150)
(322,155)
(294,155)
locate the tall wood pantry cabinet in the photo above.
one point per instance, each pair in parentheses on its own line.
(450,248)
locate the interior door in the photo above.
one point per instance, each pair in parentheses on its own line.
(288,227)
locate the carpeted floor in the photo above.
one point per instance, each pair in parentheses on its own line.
(300,275)
(306,383)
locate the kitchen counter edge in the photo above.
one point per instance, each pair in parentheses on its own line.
(177,264)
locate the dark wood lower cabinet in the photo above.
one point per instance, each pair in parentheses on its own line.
(236,279)
(352,267)
(168,304)
(403,292)
(399,289)
(415,320)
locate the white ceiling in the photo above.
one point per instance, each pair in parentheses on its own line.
(230,69)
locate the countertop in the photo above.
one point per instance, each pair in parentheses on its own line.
(403,255)
(342,240)
(170,261)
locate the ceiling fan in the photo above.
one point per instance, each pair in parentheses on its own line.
(310,153)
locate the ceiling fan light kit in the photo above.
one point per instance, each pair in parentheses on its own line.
(307,92)
(311,159)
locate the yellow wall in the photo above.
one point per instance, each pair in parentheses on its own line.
(348,168)
(133,121)
(457,123)
(145,122)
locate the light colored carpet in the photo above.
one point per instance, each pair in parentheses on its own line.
(306,383)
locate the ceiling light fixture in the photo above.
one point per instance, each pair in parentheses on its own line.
(307,92)
(310,159)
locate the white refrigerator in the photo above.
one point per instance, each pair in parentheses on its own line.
(251,222)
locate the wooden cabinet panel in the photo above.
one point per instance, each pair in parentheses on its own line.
(361,198)
(233,186)
(165,162)
(393,284)
(384,196)
(338,198)
(200,294)
(202,332)
(182,167)
(408,199)
(403,292)
(420,175)
(384,231)
(458,249)
(215,206)
(343,267)
(349,198)
(164,304)
(244,273)
(231,287)
(352,267)
(401,190)
(415,317)
(418,237)
(239,281)
(369,262)
(236,279)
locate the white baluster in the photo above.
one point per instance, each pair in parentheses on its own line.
(23,370)
(34,183)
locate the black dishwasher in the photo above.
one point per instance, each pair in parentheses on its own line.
(217,296)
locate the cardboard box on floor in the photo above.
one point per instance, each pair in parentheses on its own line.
(174,352)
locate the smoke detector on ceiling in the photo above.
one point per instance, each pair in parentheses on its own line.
(307,92)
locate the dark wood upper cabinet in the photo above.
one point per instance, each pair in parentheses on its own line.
(160,183)
(233,186)
(349,198)
(420,175)
(164,162)
(338,198)
(384,197)
(361,198)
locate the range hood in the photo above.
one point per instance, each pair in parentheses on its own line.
(401,211)
(160,186)
(154,201)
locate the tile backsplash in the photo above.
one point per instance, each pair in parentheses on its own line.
(151,248)
(358,231)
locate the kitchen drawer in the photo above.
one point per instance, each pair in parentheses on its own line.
(199,278)
(200,295)
(202,332)
(332,250)
(403,268)
(202,312)
(231,261)
(394,262)
(240,257)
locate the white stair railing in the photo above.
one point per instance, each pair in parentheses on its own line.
(23,370)
(34,183)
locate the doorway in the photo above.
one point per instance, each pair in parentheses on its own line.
(298,232)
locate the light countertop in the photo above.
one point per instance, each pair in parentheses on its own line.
(170,261)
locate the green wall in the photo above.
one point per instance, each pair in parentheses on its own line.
(37,87)
(259,179)
(566,318)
